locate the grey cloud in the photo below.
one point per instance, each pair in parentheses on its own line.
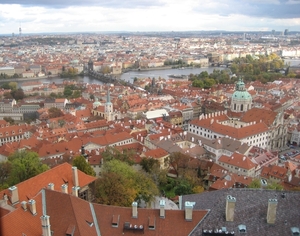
(64,4)
(254,8)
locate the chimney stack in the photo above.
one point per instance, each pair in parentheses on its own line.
(230,206)
(75,191)
(64,188)
(51,186)
(134,210)
(46,229)
(32,206)
(24,205)
(271,215)
(162,212)
(189,210)
(14,195)
(75,176)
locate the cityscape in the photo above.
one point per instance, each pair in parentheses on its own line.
(127,119)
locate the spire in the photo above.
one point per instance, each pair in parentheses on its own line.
(108,96)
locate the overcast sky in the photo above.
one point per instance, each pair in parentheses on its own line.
(38,16)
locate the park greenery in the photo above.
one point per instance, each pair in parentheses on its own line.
(68,72)
(20,166)
(15,92)
(263,68)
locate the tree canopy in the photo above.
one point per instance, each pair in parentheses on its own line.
(120,184)
(24,165)
(81,163)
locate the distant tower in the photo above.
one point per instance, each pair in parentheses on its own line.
(273,32)
(108,108)
(244,37)
(286,32)
(20,30)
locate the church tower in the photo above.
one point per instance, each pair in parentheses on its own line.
(108,108)
(241,100)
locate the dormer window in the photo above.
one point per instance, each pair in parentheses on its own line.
(152,223)
(242,228)
(115,221)
(295,231)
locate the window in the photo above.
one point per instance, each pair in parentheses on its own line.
(242,228)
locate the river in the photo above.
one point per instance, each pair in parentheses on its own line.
(128,76)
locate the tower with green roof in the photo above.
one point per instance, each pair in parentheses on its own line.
(241,100)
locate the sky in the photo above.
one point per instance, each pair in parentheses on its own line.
(46,16)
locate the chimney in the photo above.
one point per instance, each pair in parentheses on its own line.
(14,195)
(134,210)
(32,206)
(271,215)
(64,188)
(75,191)
(162,204)
(46,229)
(230,206)
(75,176)
(24,205)
(189,210)
(51,186)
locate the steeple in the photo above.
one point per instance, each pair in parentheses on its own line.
(108,107)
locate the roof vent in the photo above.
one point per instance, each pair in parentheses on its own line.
(242,228)
(295,231)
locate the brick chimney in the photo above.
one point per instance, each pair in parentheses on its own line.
(32,206)
(51,186)
(75,176)
(134,210)
(46,228)
(14,195)
(64,188)
(162,213)
(230,206)
(271,214)
(189,210)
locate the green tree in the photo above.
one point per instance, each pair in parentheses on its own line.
(139,185)
(5,170)
(255,184)
(113,189)
(68,92)
(148,164)
(24,165)
(274,186)
(125,155)
(9,120)
(13,85)
(81,163)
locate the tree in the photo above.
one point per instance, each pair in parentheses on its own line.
(5,170)
(113,189)
(176,160)
(274,186)
(68,92)
(125,155)
(148,164)
(136,185)
(9,120)
(55,112)
(255,184)
(18,94)
(24,165)
(81,163)
(13,85)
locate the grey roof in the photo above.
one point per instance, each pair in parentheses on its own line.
(250,210)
